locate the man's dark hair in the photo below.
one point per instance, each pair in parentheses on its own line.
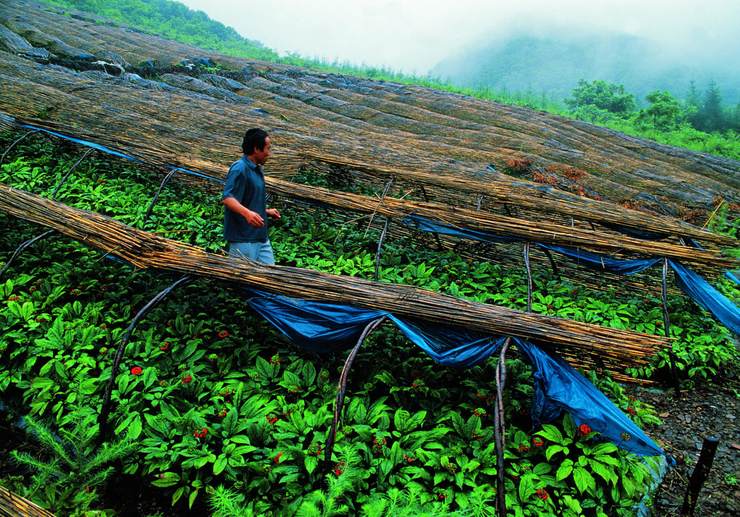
(254,139)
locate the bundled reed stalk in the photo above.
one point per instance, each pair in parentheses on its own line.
(539,198)
(524,229)
(13,504)
(617,348)
(189,121)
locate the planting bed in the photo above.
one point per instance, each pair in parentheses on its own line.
(216,411)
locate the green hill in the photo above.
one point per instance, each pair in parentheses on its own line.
(175,21)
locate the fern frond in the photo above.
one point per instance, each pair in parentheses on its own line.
(47,440)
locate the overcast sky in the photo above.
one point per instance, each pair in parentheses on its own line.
(413,35)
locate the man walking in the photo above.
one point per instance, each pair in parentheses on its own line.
(245,217)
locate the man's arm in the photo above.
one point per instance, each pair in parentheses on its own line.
(253,218)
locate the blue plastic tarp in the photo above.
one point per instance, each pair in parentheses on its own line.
(703,293)
(328,327)
(559,387)
(604,262)
(425,224)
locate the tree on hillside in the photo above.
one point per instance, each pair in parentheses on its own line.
(710,116)
(664,112)
(603,95)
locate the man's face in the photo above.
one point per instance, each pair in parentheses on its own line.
(260,157)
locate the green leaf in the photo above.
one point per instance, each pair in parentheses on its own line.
(192,497)
(572,504)
(606,473)
(552,450)
(220,464)
(526,487)
(584,480)
(551,433)
(604,448)
(564,470)
(134,429)
(400,418)
(311,462)
(166,479)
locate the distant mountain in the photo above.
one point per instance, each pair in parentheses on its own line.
(554,66)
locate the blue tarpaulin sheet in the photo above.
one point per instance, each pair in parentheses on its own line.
(559,387)
(327,327)
(707,296)
(703,293)
(598,261)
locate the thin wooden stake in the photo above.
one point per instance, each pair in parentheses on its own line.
(380,246)
(386,189)
(2,158)
(667,325)
(342,388)
(164,182)
(553,264)
(106,407)
(436,235)
(71,169)
(23,246)
(700,474)
(499,429)
(529,276)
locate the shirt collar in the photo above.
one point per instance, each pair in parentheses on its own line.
(250,164)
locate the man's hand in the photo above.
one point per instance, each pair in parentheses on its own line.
(273,212)
(254,219)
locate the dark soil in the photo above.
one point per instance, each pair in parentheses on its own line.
(688,417)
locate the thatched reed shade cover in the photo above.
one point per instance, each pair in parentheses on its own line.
(12,504)
(524,229)
(196,116)
(614,348)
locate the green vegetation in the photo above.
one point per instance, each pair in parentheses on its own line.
(700,123)
(665,119)
(223,414)
(174,21)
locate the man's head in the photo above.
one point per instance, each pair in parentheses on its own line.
(256,145)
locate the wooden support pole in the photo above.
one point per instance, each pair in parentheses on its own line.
(700,474)
(164,182)
(380,246)
(667,325)
(106,406)
(342,388)
(499,430)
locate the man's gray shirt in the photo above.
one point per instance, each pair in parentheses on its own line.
(246,183)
